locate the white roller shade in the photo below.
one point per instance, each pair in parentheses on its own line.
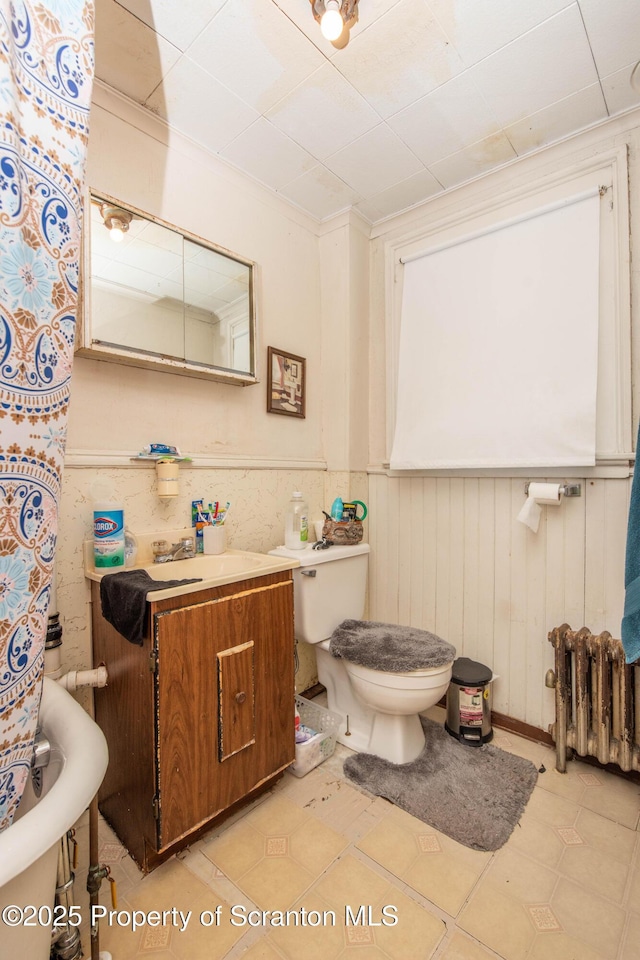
(498,353)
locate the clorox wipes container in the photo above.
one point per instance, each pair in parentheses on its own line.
(108,534)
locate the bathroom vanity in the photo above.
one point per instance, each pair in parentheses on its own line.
(200,718)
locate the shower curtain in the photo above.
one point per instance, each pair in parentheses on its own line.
(46,75)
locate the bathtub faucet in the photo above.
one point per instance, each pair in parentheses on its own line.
(41,751)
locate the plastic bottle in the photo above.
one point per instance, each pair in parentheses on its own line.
(296,523)
(108,534)
(337,508)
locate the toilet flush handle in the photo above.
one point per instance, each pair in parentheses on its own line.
(308,573)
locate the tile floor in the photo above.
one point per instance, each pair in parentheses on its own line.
(566,886)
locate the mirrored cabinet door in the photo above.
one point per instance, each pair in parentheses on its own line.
(157,297)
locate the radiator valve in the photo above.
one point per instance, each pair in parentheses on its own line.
(550,679)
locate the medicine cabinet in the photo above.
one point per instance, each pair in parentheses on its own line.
(162,298)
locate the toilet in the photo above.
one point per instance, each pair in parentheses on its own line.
(380,708)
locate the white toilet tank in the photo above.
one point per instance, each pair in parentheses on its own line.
(329,586)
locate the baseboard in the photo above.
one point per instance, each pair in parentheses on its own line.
(529,732)
(313,691)
(521,728)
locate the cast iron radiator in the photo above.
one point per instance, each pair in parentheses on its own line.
(597,699)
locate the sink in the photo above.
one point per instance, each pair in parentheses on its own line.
(236,562)
(210,570)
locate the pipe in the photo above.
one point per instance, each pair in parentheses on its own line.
(67,945)
(93,887)
(71,681)
(94,881)
(84,678)
(74,679)
(52,647)
(53,662)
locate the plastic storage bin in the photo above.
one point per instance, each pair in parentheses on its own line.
(319,747)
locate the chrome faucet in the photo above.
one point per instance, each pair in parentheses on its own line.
(164,553)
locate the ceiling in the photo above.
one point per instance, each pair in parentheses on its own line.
(426,94)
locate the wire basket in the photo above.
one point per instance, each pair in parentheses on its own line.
(312,752)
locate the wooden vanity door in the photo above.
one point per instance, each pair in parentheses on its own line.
(224,703)
(236,699)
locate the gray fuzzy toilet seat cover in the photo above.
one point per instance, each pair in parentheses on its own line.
(389,647)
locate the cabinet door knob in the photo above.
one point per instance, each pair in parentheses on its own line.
(241,697)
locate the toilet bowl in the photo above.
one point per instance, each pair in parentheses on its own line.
(380,708)
(397,699)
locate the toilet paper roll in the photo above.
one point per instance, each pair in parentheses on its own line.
(539,495)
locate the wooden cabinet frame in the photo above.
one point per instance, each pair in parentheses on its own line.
(200,717)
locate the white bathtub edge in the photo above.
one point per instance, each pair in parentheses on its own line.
(70,728)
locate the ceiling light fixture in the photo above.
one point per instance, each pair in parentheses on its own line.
(334,15)
(116,221)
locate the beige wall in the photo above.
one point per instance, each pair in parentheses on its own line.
(129,160)
(448,553)
(240,452)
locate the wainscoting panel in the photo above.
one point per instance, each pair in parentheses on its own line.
(449,555)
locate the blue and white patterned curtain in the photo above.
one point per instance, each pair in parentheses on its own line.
(46,75)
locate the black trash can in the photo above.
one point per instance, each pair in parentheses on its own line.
(469,702)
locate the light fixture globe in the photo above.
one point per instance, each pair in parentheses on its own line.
(116,221)
(331,23)
(334,16)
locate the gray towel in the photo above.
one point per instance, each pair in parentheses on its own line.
(124,600)
(389,647)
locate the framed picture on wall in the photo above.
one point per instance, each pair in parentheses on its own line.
(285,383)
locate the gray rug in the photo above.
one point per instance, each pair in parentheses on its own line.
(475,795)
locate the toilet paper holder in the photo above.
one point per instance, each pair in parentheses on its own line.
(566,490)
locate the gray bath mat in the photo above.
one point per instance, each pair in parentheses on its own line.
(475,795)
